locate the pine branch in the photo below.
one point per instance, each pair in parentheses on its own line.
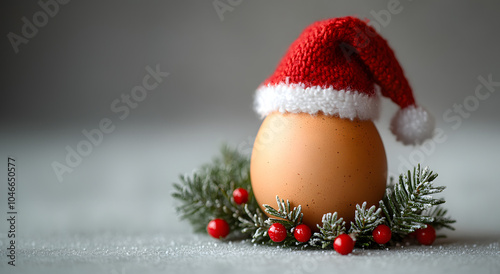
(331,228)
(254,224)
(286,216)
(440,219)
(207,193)
(365,221)
(406,200)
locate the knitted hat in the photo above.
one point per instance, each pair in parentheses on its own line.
(339,67)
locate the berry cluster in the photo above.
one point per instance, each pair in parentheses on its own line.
(343,243)
(277,232)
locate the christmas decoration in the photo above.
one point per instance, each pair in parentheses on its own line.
(408,204)
(206,198)
(277,232)
(240,195)
(343,244)
(426,236)
(205,194)
(218,228)
(331,228)
(382,234)
(333,67)
(317,145)
(302,233)
(365,222)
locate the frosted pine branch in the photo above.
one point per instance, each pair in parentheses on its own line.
(289,218)
(407,200)
(206,194)
(330,229)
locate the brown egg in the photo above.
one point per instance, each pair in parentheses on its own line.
(324,163)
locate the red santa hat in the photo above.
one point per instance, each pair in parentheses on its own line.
(339,67)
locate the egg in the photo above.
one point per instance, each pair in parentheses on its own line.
(323,163)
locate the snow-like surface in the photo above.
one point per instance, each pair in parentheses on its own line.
(190,253)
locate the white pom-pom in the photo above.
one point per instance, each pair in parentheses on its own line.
(413,125)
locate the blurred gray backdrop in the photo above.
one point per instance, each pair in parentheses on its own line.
(85,55)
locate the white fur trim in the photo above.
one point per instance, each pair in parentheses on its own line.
(296,98)
(413,125)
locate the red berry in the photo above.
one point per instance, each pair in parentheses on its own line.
(426,236)
(240,195)
(382,234)
(218,228)
(277,232)
(343,244)
(302,233)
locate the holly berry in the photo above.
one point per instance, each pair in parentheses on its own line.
(277,232)
(343,244)
(382,234)
(302,233)
(426,236)
(240,196)
(218,228)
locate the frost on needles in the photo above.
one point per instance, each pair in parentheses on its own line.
(409,205)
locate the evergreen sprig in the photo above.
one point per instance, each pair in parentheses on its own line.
(289,218)
(406,200)
(286,216)
(365,221)
(440,218)
(207,194)
(331,227)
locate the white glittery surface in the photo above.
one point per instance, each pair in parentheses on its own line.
(191,253)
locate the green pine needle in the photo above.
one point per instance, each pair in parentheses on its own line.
(405,203)
(207,193)
(365,221)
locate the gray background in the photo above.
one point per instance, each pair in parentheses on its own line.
(91,52)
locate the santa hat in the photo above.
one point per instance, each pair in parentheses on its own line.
(339,67)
